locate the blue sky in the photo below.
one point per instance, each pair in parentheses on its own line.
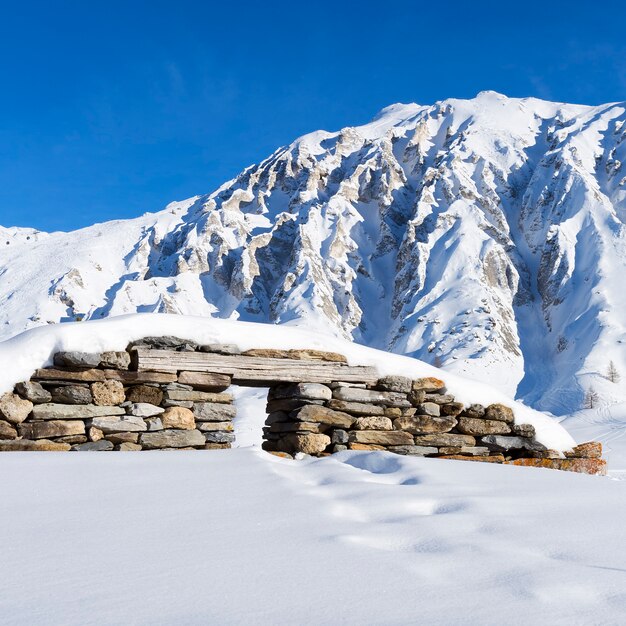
(111,109)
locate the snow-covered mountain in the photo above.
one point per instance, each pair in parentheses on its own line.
(485,235)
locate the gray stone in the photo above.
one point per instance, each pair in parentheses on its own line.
(476,426)
(119,360)
(314,413)
(414,450)
(474,410)
(338,447)
(71,394)
(7,431)
(386,398)
(198,396)
(145,393)
(118,438)
(428,408)
(14,409)
(339,436)
(73,411)
(77,359)
(221,348)
(337,384)
(500,412)
(400,384)
(177,387)
(33,391)
(445,439)
(154,424)
(381,437)
(108,393)
(186,404)
(373,422)
(356,408)
(474,450)
(172,439)
(143,409)
(289,427)
(438,398)
(416,397)
(51,428)
(213,412)
(166,342)
(119,423)
(289,404)
(502,443)
(219,436)
(308,391)
(277,416)
(94,446)
(523,430)
(425,424)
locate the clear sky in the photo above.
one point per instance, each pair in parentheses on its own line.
(110,109)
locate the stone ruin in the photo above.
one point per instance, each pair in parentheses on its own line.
(165,393)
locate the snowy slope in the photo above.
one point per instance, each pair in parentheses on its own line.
(485,235)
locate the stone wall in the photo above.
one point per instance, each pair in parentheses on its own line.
(411,417)
(92,401)
(148,398)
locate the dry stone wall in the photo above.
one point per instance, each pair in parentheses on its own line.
(166,393)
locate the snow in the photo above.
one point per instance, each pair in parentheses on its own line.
(240,537)
(22,355)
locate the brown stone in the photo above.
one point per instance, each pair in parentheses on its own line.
(222,446)
(134,378)
(198,396)
(280,427)
(71,394)
(303,354)
(373,423)
(445,439)
(452,408)
(523,430)
(33,391)
(172,439)
(315,413)
(313,443)
(205,381)
(588,450)
(51,428)
(425,424)
(381,437)
(496,458)
(144,394)
(582,466)
(393,412)
(178,417)
(72,439)
(414,450)
(108,393)
(128,446)
(416,397)
(40,445)
(209,426)
(478,427)
(7,431)
(119,438)
(428,385)
(474,410)
(14,409)
(364,446)
(52,373)
(500,412)
(95,434)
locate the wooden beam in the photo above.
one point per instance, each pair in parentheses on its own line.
(250,370)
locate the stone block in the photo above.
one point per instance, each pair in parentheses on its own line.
(77,359)
(438,398)
(308,444)
(213,412)
(137,378)
(178,417)
(356,408)
(14,409)
(503,443)
(33,391)
(370,447)
(452,409)
(198,396)
(339,436)
(95,434)
(373,423)
(428,385)
(73,411)
(425,424)
(315,413)
(84,376)
(219,436)
(289,427)
(186,404)
(172,439)
(289,404)
(224,426)
(400,384)
(39,445)
(205,381)
(72,439)
(478,427)
(226,446)
(483,459)
(307,391)
(445,439)
(296,354)
(500,412)
(143,409)
(144,394)
(474,410)
(582,466)
(108,393)
(71,394)
(416,397)
(589,450)
(369,396)
(7,431)
(428,408)
(94,446)
(119,424)
(118,438)
(277,416)
(381,437)
(127,446)
(118,360)
(411,450)
(51,428)
(153,424)
(523,430)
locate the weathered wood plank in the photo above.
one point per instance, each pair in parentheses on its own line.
(251,370)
